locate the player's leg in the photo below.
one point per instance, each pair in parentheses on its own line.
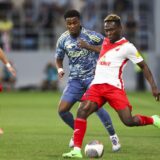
(86,108)
(91,101)
(65,114)
(137,120)
(71,94)
(106,120)
(107,123)
(119,101)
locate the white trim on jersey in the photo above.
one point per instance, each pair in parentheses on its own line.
(110,65)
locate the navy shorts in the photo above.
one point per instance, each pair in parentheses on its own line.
(75,89)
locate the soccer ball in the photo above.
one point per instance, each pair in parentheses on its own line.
(94,149)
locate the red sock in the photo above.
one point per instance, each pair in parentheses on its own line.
(145,120)
(1,88)
(80,126)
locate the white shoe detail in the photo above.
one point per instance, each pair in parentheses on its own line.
(115,143)
(71,143)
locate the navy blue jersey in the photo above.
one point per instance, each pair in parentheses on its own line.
(82,62)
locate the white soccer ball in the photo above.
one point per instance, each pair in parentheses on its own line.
(94,149)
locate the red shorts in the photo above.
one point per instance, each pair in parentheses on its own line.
(102,93)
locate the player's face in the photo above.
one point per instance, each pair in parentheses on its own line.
(73,25)
(112,31)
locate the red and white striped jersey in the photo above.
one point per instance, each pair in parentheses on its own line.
(112,60)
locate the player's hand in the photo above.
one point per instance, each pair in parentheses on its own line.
(82,44)
(156,94)
(11,70)
(61,72)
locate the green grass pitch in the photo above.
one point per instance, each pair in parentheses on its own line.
(34,131)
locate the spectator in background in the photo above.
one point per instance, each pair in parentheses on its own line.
(17,30)
(60,6)
(90,18)
(46,24)
(30,41)
(51,80)
(80,4)
(131,28)
(6,26)
(122,7)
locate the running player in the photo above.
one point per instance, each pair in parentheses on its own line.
(108,86)
(82,46)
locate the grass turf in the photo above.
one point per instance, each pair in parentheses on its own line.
(34,131)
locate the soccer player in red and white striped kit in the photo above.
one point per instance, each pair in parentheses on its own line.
(108,86)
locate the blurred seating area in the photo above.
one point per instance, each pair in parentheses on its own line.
(36,24)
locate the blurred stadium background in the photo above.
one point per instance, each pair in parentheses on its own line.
(28,33)
(29,30)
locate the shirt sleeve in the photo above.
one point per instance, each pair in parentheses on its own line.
(133,54)
(60,51)
(97,38)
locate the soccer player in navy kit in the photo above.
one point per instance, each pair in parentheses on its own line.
(82,47)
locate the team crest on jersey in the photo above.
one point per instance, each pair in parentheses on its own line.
(102,61)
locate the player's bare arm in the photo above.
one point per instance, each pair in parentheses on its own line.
(150,79)
(5,61)
(59,65)
(3,57)
(83,44)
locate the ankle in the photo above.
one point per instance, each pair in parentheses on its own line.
(77,149)
(114,135)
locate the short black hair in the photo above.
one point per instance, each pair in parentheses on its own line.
(72,13)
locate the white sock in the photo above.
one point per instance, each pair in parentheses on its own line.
(115,135)
(77,148)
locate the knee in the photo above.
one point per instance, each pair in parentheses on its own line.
(82,112)
(128,123)
(61,111)
(85,109)
(63,108)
